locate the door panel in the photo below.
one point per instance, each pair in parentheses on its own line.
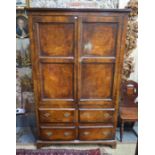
(96,80)
(57,39)
(99,39)
(57,81)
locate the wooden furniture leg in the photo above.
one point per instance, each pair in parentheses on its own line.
(113,146)
(121,130)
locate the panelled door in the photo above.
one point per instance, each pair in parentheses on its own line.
(55,58)
(99,56)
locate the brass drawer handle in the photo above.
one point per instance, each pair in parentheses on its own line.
(66,134)
(106,133)
(67,114)
(107,115)
(49,133)
(46,114)
(86,133)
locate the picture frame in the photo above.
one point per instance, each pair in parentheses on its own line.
(22,26)
(22,3)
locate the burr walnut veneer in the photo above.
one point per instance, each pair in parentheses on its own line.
(77,57)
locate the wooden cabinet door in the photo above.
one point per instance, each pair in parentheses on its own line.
(100,57)
(53,59)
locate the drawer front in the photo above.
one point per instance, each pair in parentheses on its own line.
(95,133)
(97,116)
(49,116)
(60,133)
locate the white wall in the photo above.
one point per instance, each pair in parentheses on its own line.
(123,3)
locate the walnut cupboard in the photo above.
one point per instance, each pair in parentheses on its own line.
(77,57)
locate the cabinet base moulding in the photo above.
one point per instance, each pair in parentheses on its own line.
(111,143)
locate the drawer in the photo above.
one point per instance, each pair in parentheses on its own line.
(96,133)
(49,116)
(96,116)
(57,133)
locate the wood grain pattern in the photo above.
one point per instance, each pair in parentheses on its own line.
(128,106)
(56,39)
(101,37)
(96,103)
(59,82)
(96,80)
(58,133)
(50,116)
(96,115)
(97,133)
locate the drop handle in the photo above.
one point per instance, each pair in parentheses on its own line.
(67,114)
(86,133)
(66,134)
(106,133)
(107,115)
(46,114)
(49,133)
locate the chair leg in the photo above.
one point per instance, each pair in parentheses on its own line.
(134,130)
(121,130)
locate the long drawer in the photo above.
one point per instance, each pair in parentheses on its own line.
(51,116)
(96,115)
(96,133)
(57,133)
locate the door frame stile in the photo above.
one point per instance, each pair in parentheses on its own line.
(122,24)
(76,73)
(79,66)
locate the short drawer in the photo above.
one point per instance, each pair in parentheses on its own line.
(51,116)
(96,116)
(57,133)
(96,133)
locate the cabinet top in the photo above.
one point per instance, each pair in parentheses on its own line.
(78,10)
